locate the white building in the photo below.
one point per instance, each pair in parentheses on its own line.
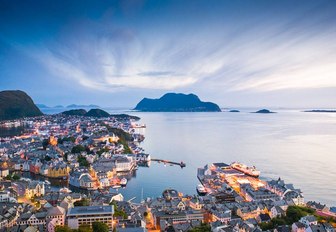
(88,214)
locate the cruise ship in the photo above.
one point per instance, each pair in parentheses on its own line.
(201,190)
(251,171)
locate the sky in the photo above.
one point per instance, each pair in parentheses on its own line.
(113,53)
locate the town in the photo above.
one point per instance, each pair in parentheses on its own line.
(94,156)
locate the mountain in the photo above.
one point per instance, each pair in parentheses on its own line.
(97,113)
(17,104)
(176,102)
(264,111)
(77,112)
(91,113)
(82,106)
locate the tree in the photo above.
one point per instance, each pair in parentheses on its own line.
(201,228)
(77,149)
(100,227)
(82,202)
(62,229)
(45,143)
(84,228)
(16,177)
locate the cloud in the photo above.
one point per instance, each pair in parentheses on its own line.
(254,56)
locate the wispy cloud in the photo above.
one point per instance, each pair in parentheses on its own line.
(266,56)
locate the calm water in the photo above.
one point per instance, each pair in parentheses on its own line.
(300,147)
(296,146)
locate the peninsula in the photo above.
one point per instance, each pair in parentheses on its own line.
(176,102)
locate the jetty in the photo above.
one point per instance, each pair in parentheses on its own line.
(181,164)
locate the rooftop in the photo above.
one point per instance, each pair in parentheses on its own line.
(84,210)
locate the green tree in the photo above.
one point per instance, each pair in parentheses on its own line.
(82,161)
(45,143)
(201,228)
(84,228)
(82,202)
(62,229)
(77,149)
(100,227)
(16,177)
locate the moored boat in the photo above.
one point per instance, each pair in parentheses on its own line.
(201,190)
(123,182)
(251,171)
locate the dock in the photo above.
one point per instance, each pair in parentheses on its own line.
(181,164)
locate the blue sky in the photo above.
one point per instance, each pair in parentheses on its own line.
(114,53)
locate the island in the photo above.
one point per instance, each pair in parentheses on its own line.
(16,104)
(176,102)
(264,111)
(320,111)
(234,111)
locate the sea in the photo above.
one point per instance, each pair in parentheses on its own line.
(297,146)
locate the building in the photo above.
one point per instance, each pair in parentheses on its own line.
(88,214)
(4,170)
(35,189)
(57,213)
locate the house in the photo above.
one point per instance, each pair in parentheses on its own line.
(124,163)
(316,228)
(4,169)
(58,171)
(309,220)
(298,227)
(35,165)
(277,211)
(263,218)
(57,213)
(35,189)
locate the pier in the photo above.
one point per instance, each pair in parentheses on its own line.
(181,164)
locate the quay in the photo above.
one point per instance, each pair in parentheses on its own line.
(181,164)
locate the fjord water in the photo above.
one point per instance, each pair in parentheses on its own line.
(296,146)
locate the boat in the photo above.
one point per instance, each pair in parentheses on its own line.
(251,171)
(65,190)
(123,182)
(116,186)
(201,190)
(47,182)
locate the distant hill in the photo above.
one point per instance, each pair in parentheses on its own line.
(77,112)
(176,102)
(42,106)
(264,111)
(97,113)
(82,106)
(17,104)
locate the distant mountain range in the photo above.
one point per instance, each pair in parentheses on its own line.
(72,106)
(176,102)
(17,104)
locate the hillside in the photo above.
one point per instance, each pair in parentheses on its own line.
(17,104)
(176,102)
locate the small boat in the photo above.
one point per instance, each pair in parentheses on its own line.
(116,186)
(123,182)
(47,182)
(201,190)
(65,190)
